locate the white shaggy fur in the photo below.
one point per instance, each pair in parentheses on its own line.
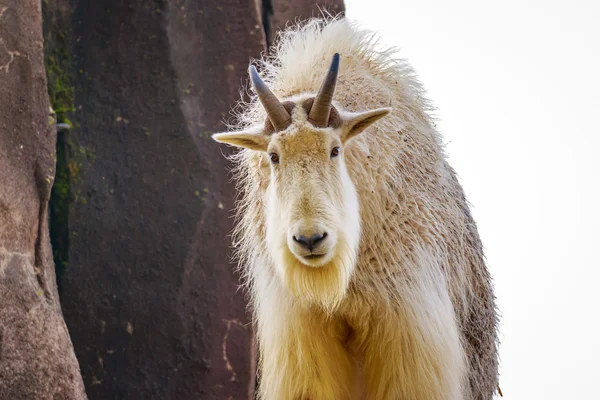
(402,305)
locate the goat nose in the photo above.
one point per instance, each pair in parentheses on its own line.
(310,242)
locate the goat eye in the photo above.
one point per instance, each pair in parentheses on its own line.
(335,152)
(274,158)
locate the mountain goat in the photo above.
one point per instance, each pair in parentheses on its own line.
(365,268)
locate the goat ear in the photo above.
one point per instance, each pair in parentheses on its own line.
(253,139)
(357,123)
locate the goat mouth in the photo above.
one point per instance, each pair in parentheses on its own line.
(314,260)
(314,256)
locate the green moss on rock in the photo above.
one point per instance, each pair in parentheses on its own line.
(61,94)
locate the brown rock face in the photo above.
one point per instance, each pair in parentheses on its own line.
(36,356)
(148,292)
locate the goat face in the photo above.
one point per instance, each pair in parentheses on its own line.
(311,205)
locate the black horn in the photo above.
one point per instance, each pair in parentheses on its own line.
(276,113)
(319,112)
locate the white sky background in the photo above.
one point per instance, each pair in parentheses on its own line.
(517,85)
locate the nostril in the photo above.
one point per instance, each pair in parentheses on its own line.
(303,240)
(315,239)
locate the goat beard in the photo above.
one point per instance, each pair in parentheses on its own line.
(325,286)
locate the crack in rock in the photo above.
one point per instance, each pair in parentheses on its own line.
(12,55)
(228,365)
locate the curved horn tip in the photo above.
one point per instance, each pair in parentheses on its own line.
(254,76)
(257,82)
(335,62)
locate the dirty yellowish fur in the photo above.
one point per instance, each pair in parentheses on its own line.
(402,307)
